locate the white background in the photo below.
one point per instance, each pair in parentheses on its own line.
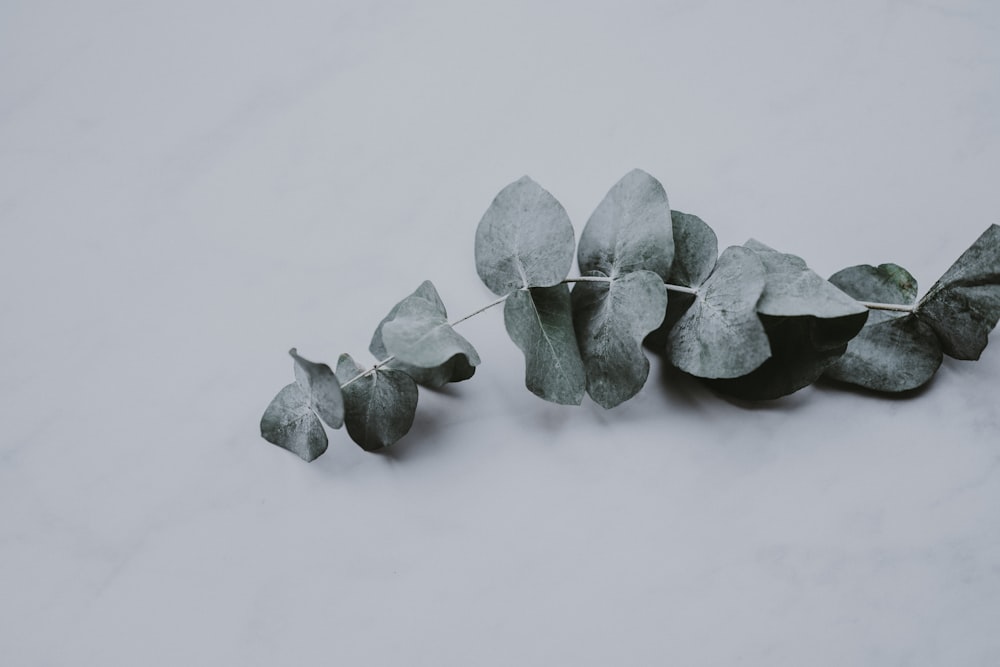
(189,188)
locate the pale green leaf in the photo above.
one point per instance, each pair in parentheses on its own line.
(322,389)
(611,318)
(455,369)
(964,305)
(419,334)
(290,423)
(720,335)
(540,322)
(696,250)
(630,230)
(793,289)
(525,239)
(379,407)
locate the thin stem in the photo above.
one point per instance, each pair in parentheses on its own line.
(898,307)
(603,279)
(483,309)
(391,357)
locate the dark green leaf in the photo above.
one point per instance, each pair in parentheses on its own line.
(379,407)
(290,423)
(964,305)
(540,322)
(630,230)
(322,389)
(525,239)
(455,369)
(801,349)
(895,351)
(611,318)
(720,336)
(808,323)
(419,333)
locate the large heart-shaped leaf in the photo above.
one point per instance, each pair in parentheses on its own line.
(630,230)
(611,318)
(290,423)
(720,335)
(525,239)
(540,322)
(379,407)
(808,323)
(419,334)
(964,305)
(895,351)
(455,369)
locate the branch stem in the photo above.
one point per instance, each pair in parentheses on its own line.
(601,279)
(897,307)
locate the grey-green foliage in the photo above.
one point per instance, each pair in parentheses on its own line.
(419,333)
(720,335)
(379,407)
(628,241)
(292,420)
(322,389)
(895,351)
(696,250)
(611,319)
(754,322)
(455,369)
(808,323)
(525,239)
(540,322)
(630,230)
(290,423)
(964,305)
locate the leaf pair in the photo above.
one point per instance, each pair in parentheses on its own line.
(415,344)
(900,351)
(292,420)
(590,340)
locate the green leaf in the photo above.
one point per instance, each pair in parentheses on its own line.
(322,389)
(290,423)
(808,323)
(455,369)
(630,230)
(419,333)
(379,407)
(964,305)
(793,289)
(525,239)
(720,336)
(895,351)
(540,322)
(696,250)
(611,318)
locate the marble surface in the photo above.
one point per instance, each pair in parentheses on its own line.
(188,189)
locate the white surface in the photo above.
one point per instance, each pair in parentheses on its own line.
(188,189)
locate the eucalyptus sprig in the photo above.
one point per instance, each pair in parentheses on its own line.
(751,322)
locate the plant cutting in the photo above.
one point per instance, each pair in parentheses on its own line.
(751,322)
